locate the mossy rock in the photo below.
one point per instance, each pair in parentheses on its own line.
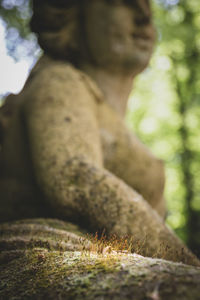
(62,266)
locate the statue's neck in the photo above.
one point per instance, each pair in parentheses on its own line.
(115,86)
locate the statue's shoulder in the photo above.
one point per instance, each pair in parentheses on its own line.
(51,69)
(57,73)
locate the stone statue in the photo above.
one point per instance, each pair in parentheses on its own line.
(66,152)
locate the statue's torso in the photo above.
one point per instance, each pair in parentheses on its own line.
(119,151)
(15,157)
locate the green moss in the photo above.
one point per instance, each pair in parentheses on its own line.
(41,270)
(42,274)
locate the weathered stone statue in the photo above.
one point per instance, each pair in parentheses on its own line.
(66,152)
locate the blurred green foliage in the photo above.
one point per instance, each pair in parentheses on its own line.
(20,42)
(164,111)
(164,107)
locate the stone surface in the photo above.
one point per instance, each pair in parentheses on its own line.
(52,270)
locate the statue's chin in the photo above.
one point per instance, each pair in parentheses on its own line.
(133,58)
(134,63)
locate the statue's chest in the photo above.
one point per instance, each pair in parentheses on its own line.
(115,138)
(109,144)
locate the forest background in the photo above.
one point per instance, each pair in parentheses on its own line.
(164,106)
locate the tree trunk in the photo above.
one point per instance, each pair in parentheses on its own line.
(50,259)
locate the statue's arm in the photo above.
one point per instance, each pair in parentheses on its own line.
(66,154)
